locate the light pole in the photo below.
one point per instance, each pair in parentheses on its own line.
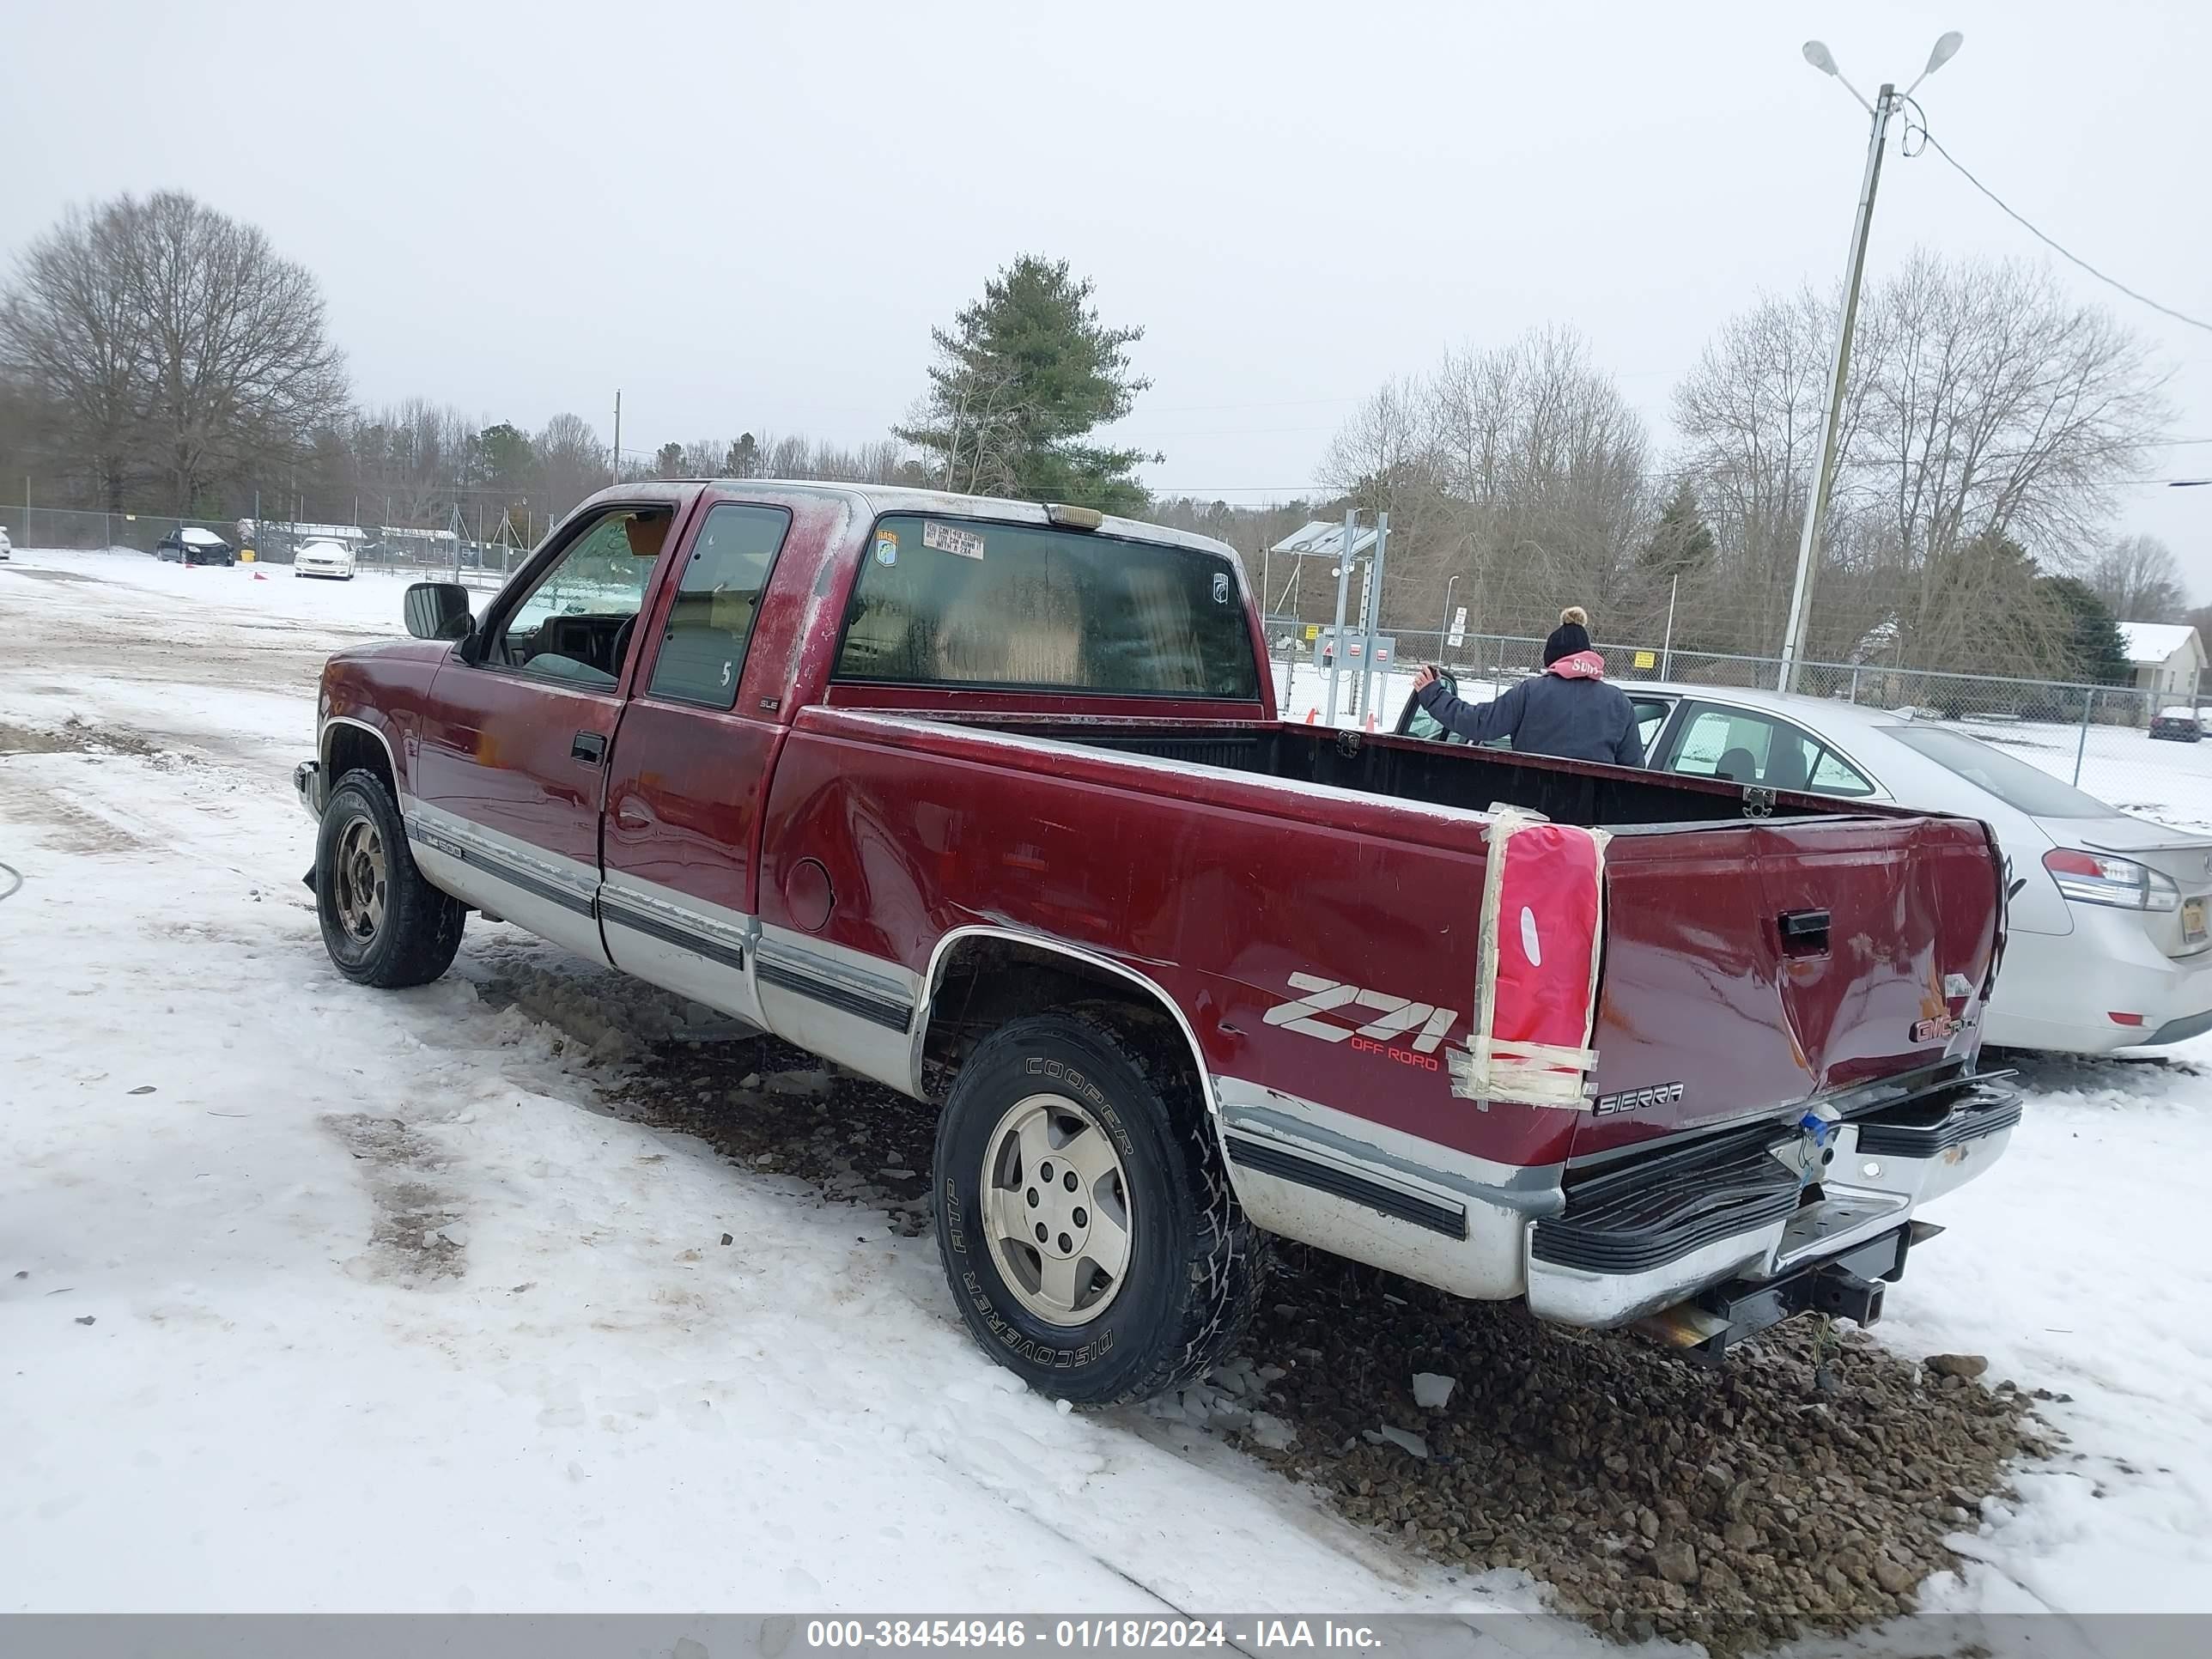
(1808,542)
(1445,628)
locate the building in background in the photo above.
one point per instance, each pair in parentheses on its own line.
(2167,658)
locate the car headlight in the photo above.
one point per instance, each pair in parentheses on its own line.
(2100,878)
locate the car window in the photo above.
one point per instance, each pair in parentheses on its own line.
(1723,742)
(1651,718)
(703,649)
(944,601)
(2023,787)
(574,623)
(1745,747)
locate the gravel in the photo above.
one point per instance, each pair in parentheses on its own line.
(1806,1486)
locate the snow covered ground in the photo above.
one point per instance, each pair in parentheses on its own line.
(315,1298)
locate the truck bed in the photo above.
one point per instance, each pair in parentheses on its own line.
(1708,1015)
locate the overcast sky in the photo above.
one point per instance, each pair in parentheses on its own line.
(748,215)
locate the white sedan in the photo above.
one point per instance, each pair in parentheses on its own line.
(2107,947)
(333,559)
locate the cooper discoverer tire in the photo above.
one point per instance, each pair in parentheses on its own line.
(383,923)
(1084,1218)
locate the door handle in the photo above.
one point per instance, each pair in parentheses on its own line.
(589,747)
(1804,933)
(627,817)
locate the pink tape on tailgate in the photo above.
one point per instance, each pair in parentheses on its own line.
(1536,989)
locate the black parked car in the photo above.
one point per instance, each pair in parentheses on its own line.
(2179,724)
(195,547)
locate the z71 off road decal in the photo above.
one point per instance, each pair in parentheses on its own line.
(1395,1016)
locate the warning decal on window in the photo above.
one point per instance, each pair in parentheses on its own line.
(951,538)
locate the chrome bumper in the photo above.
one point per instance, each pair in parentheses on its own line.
(1873,1174)
(308,785)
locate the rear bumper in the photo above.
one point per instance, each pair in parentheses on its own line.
(1656,1232)
(2059,993)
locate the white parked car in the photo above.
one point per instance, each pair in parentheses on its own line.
(2108,946)
(333,559)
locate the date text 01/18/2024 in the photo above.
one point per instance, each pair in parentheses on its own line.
(1081,1634)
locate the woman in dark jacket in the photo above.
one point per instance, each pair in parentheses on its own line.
(1568,710)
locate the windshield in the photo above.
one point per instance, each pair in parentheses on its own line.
(2023,787)
(944,601)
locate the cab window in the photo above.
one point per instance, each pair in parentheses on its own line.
(575,623)
(703,649)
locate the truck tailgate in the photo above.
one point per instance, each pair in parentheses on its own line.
(1749,967)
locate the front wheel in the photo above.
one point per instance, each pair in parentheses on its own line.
(383,923)
(1083,1216)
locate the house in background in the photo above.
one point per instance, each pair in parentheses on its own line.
(2169,660)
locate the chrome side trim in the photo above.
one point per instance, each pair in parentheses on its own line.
(1384,1152)
(685,944)
(1379,1195)
(840,979)
(934,976)
(842,1004)
(549,895)
(323,747)
(720,935)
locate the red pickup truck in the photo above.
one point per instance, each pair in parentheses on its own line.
(988,800)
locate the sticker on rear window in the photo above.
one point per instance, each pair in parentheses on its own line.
(886,547)
(951,538)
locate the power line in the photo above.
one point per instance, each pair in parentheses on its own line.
(2064,251)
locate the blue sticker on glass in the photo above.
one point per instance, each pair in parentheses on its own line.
(886,547)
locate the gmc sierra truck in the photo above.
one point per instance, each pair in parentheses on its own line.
(989,801)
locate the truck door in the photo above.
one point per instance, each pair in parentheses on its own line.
(510,764)
(691,763)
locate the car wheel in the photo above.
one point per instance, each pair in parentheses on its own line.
(383,923)
(1084,1218)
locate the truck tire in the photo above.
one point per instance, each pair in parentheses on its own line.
(1085,1220)
(383,923)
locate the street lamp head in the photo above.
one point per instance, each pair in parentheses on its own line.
(1946,47)
(1818,55)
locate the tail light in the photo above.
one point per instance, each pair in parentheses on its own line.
(2100,878)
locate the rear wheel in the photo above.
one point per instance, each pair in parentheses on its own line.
(383,923)
(1083,1216)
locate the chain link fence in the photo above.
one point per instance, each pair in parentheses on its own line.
(401,551)
(2134,748)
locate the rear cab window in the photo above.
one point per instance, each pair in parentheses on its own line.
(967,602)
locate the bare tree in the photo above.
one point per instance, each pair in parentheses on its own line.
(2137,578)
(1985,410)
(1520,470)
(572,463)
(72,333)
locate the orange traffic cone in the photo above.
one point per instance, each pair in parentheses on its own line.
(1370,720)
(259,577)
(1312,714)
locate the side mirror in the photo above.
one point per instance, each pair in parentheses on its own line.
(437,610)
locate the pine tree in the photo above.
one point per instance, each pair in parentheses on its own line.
(1680,543)
(1022,377)
(2098,649)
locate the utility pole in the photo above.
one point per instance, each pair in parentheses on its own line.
(617,471)
(1816,509)
(1374,609)
(1336,653)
